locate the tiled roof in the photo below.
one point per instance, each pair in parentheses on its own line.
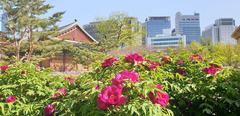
(76,23)
(236,33)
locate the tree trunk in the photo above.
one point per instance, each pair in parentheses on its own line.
(17,46)
(30,45)
(17,50)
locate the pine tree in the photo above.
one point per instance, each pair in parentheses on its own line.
(27,21)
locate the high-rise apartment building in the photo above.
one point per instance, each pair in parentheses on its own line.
(188,25)
(220,31)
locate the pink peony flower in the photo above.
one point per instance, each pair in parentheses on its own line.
(97,87)
(134,58)
(71,80)
(49,110)
(11,99)
(181,71)
(196,57)
(152,65)
(166,59)
(160,98)
(219,68)
(213,69)
(210,70)
(111,96)
(125,75)
(180,62)
(109,62)
(4,68)
(60,92)
(159,86)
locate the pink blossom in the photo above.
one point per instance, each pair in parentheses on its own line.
(134,58)
(109,62)
(71,80)
(60,92)
(213,69)
(196,57)
(166,59)
(49,110)
(159,86)
(180,62)
(117,81)
(125,75)
(160,98)
(97,87)
(210,70)
(219,68)
(152,65)
(4,68)
(111,96)
(11,99)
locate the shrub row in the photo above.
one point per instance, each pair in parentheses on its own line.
(172,84)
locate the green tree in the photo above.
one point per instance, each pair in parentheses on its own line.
(118,30)
(206,41)
(27,21)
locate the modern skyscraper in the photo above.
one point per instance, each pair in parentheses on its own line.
(220,31)
(158,34)
(158,26)
(3,19)
(188,25)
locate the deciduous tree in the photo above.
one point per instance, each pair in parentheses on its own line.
(118,30)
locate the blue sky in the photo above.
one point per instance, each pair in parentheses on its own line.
(87,10)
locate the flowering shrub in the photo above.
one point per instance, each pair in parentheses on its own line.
(127,87)
(180,83)
(26,89)
(196,84)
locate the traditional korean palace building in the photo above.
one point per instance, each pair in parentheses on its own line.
(73,33)
(236,34)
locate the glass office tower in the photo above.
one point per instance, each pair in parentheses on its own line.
(158,34)
(158,26)
(188,25)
